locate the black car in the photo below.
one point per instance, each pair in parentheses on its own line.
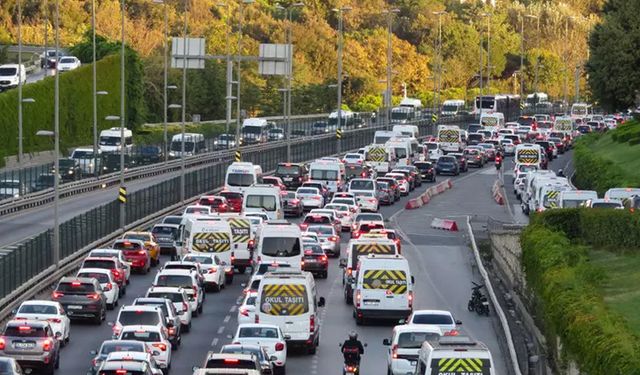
(547,147)
(298,133)
(69,170)
(462,161)
(81,298)
(447,164)
(111,162)
(43,182)
(149,155)
(323,127)
(426,170)
(292,174)
(315,260)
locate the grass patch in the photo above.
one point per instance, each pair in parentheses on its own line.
(625,156)
(620,287)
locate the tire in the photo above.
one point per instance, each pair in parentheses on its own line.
(242,269)
(348,298)
(359,320)
(200,308)
(216,288)
(195,314)
(312,349)
(97,320)
(57,364)
(123,291)
(187,328)
(229,280)
(111,306)
(470,306)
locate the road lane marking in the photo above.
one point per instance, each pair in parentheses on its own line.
(227,318)
(221,329)
(214,342)
(233,308)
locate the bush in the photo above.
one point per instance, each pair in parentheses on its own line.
(76,103)
(594,172)
(565,220)
(626,132)
(559,273)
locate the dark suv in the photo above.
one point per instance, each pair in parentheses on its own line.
(31,343)
(292,174)
(81,298)
(426,170)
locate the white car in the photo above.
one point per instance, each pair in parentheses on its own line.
(132,315)
(135,357)
(438,318)
(338,198)
(402,182)
(367,201)
(49,311)
(310,197)
(508,146)
(10,189)
(268,336)
(353,158)
(180,300)
(186,279)
(404,346)
(246,312)
(344,214)
(109,286)
(328,238)
(197,210)
(67,63)
(114,254)
(212,269)
(156,338)
(310,238)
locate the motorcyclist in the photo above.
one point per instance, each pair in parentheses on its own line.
(560,173)
(352,349)
(499,158)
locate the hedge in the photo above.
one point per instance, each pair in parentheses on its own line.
(567,286)
(76,106)
(614,230)
(594,172)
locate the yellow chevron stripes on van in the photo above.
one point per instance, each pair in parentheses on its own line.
(448,136)
(552,197)
(460,365)
(373,248)
(240,230)
(395,281)
(211,242)
(377,154)
(490,121)
(527,156)
(284,299)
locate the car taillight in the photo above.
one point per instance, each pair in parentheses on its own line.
(315,197)
(358,298)
(371,200)
(56,295)
(323,259)
(185,307)
(394,351)
(478,157)
(256,319)
(279,347)
(195,291)
(142,252)
(172,330)
(121,372)
(333,238)
(160,345)
(2,343)
(108,287)
(212,270)
(349,271)
(453,332)
(410,299)
(54,320)
(94,296)
(116,330)
(244,311)
(47,345)
(312,324)
(116,274)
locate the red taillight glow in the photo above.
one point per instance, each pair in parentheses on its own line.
(160,345)
(185,306)
(94,296)
(312,324)
(2,343)
(121,372)
(76,283)
(279,347)
(244,311)
(324,259)
(453,332)
(333,238)
(410,299)
(394,351)
(142,252)
(56,295)
(232,361)
(108,287)
(358,298)
(54,320)
(46,345)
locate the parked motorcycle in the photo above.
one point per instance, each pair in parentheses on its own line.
(478,302)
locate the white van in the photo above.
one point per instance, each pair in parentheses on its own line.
(528,154)
(11,75)
(329,173)
(210,235)
(288,300)
(381,137)
(111,140)
(548,197)
(450,138)
(241,175)
(243,235)
(384,288)
(492,121)
(193,145)
(576,198)
(621,193)
(404,346)
(454,355)
(452,107)
(280,241)
(382,159)
(255,130)
(263,198)
(407,130)
(402,149)
(89,162)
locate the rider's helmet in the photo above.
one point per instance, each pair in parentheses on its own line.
(353,335)
(560,172)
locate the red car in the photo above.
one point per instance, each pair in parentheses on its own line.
(216,202)
(135,253)
(234,200)
(275,181)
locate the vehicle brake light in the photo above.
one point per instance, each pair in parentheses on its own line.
(76,283)
(108,287)
(2,343)
(185,306)
(244,311)
(324,259)
(279,347)
(256,319)
(410,299)
(232,360)
(24,328)
(46,345)
(349,271)
(172,331)
(56,295)
(312,324)
(212,270)
(121,372)
(142,252)
(358,298)
(53,320)
(333,238)
(394,351)
(453,332)
(160,345)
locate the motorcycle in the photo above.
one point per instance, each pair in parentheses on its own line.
(498,162)
(352,367)
(478,302)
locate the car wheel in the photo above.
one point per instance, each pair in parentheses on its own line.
(312,349)
(200,308)
(229,280)
(195,313)
(57,364)
(97,320)
(123,291)
(111,306)
(216,288)
(186,328)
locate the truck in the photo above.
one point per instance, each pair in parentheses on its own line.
(407,111)
(450,138)
(379,157)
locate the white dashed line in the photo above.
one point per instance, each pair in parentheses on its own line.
(220,330)
(227,318)
(233,308)
(214,342)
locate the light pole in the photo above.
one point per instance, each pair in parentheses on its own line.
(480,73)
(165,73)
(229,97)
(56,147)
(55,246)
(566,59)
(535,82)
(239,70)
(20,150)
(340,12)
(45,5)
(521,70)
(488,16)
(389,71)
(438,75)
(184,100)
(96,171)
(122,118)
(94,89)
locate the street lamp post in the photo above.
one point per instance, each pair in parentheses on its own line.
(55,246)
(56,147)
(20,149)
(535,82)
(184,102)
(122,118)
(239,70)
(340,12)
(438,75)
(522,59)
(389,71)
(96,171)
(566,59)
(229,97)
(480,73)
(488,16)
(165,74)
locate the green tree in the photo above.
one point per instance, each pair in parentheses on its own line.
(613,64)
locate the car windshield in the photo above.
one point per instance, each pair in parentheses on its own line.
(138,317)
(308,191)
(414,340)
(198,259)
(8,71)
(281,246)
(240,179)
(265,332)
(288,170)
(171,296)
(321,230)
(197,210)
(346,201)
(432,319)
(369,217)
(317,219)
(324,174)
(267,202)
(252,129)
(175,280)
(101,277)
(75,288)
(401,152)
(38,309)
(177,145)
(605,205)
(161,305)
(144,336)
(66,163)
(137,236)
(67,60)
(162,230)
(337,207)
(99,263)
(572,203)
(361,185)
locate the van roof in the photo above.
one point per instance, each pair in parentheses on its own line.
(455,342)
(254,121)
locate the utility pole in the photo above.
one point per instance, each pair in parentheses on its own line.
(389,92)
(340,12)
(522,58)
(229,97)
(56,147)
(488,16)
(184,101)
(239,70)
(123,143)
(438,75)
(94,89)
(20,71)
(480,73)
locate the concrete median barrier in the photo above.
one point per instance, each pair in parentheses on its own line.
(444,224)
(496,192)
(425,197)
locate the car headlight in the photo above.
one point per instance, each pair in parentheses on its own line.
(215,142)
(16,195)
(70,172)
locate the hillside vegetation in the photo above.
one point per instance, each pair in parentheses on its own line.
(562,34)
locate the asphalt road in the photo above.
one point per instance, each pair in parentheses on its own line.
(441,263)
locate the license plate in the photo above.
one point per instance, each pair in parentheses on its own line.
(310,260)
(74,307)
(288,179)
(370,302)
(24,345)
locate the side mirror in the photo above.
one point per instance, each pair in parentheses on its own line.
(340,345)
(365,345)
(287,337)
(459,322)
(58,335)
(223,263)
(321,302)
(273,358)
(93,352)
(413,280)
(343,263)
(402,321)
(386,342)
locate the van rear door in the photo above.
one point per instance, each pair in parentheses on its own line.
(461,363)
(287,306)
(384,289)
